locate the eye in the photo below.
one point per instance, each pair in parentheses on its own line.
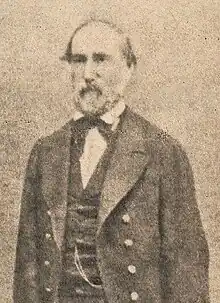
(100,57)
(78,58)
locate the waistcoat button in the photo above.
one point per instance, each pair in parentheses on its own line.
(134,296)
(48,236)
(128,242)
(126,218)
(132,269)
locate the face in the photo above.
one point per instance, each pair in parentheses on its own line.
(99,71)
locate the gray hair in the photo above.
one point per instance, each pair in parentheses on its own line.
(127,50)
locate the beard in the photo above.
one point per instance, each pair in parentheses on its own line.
(90,99)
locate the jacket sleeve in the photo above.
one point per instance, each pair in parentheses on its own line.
(184,253)
(26,267)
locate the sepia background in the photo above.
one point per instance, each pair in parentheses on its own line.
(176,86)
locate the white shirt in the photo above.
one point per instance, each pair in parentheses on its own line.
(95,144)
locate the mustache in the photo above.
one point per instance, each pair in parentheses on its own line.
(90,88)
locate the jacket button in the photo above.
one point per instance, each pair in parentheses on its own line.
(48,289)
(132,269)
(46,263)
(126,218)
(134,296)
(48,236)
(79,291)
(49,213)
(128,242)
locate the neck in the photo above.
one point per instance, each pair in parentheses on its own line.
(109,117)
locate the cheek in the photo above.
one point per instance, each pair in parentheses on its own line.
(77,74)
(110,75)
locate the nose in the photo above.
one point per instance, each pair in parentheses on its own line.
(89,71)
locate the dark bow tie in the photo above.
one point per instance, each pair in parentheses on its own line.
(84,124)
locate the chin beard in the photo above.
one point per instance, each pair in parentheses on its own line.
(99,107)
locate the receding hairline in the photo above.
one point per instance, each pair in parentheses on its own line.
(125,43)
(106,29)
(98,21)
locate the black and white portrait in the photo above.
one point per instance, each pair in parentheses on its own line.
(109,153)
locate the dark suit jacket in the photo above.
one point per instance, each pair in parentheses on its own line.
(150,179)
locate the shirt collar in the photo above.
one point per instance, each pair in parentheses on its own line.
(111,117)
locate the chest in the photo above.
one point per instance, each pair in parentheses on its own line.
(94,147)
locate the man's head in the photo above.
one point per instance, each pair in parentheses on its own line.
(102,61)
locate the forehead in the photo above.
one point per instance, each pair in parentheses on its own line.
(95,38)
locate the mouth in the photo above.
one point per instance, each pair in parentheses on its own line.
(90,89)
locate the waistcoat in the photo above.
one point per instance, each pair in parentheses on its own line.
(81,227)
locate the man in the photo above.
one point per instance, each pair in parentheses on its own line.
(108,210)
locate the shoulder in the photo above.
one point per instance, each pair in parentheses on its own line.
(161,143)
(56,139)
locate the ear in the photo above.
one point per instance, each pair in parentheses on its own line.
(127,74)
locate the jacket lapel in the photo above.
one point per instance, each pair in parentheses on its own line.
(55,183)
(127,164)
